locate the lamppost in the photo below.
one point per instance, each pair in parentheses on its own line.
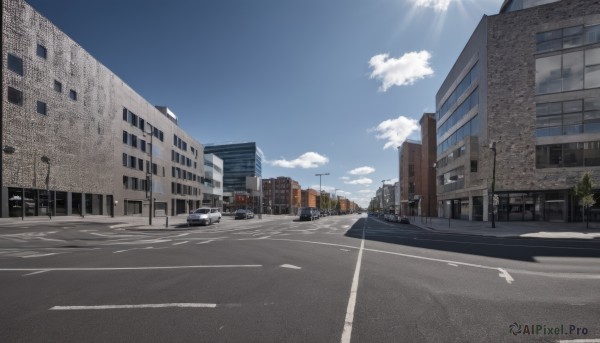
(149,172)
(46,160)
(382,192)
(320,191)
(335,194)
(493,148)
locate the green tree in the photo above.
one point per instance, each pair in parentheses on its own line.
(584,190)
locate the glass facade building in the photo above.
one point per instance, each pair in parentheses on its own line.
(239,160)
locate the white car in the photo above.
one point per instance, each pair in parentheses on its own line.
(204,216)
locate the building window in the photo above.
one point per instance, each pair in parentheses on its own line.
(569,37)
(125,137)
(132,162)
(567,72)
(15,96)
(41,108)
(57,86)
(125,182)
(73,95)
(15,64)
(140,164)
(592,68)
(473,166)
(41,51)
(143,145)
(125,159)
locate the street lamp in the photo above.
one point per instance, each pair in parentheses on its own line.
(493,148)
(383,191)
(46,160)
(320,192)
(149,172)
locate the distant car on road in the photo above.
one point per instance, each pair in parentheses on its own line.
(244,214)
(404,220)
(204,216)
(309,213)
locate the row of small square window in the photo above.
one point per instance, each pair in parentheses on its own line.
(181,159)
(15,96)
(184,174)
(15,64)
(177,188)
(138,122)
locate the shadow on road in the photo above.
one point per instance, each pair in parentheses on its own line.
(506,248)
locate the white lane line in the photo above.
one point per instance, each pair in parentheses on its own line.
(41,255)
(130,268)
(120,251)
(347,333)
(290,266)
(312,242)
(181,243)
(205,242)
(453,264)
(344,250)
(504,274)
(38,272)
(592,340)
(506,245)
(113,307)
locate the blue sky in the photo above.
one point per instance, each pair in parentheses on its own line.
(321,85)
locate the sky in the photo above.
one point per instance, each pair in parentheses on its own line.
(322,86)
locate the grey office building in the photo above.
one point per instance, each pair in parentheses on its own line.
(77,140)
(528,80)
(239,160)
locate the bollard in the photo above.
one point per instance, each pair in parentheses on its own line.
(167,223)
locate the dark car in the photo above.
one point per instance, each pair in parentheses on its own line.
(309,213)
(244,214)
(404,220)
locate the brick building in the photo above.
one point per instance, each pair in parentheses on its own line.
(309,197)
(528,82)
(411,181)
(281,195)
(76,139)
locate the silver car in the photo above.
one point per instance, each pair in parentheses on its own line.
(203,216)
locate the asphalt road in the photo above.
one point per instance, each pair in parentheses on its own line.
(338,279)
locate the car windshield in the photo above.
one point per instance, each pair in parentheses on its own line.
(202,210)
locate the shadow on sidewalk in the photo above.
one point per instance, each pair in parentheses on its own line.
(504,248)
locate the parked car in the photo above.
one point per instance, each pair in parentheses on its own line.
(309,213)
(404,220)
(204,216)
(244,214)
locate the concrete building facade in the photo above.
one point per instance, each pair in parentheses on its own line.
(76,139)
(213,181)
(528,81)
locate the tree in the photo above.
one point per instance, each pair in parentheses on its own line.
(584,190)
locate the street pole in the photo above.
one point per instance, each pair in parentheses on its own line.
(46,160)
(320,191)
(493,148)
(149,172)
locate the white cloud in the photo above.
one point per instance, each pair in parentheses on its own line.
(406,70)
(362,171)
(366,191)
(345,178)
(361,181)
(395,131)
(438,5)
(306,160)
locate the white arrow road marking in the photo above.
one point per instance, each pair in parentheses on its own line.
(113,307)
(506,275)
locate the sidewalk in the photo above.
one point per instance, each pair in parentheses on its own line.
(509,229)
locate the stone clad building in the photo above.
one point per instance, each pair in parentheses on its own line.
(71,126)
(528,80)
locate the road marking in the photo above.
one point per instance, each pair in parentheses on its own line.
(41,255)
(312,242)
(347,333)
(453,264)
(38,272)
(130,268)
(180,243)
(504,274)
(502,271)
(113,307)
(593,340)
(344,250)
(290,266)
(210,240)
